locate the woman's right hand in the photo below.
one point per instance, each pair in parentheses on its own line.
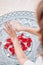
(18,27)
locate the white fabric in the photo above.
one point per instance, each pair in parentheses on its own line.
(28,62)
(39,61)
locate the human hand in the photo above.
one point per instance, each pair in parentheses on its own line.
(17,26)
(8,28)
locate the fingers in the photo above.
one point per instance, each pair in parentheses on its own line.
(7,27)
(11,32)
(16,22)
(6,30)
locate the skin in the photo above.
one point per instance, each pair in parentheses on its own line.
(11,32)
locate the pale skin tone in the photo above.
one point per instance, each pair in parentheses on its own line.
(11,32)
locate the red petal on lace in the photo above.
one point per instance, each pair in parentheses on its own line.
(6,45)
(29,39)
(12,50)
(22,34)
(28,44)
(24,39)
(24,48)
(22,43)
(9,40)
(20,37)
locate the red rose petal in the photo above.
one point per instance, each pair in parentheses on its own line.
(11,43)
(22,34)
(24,48)
(9,40)
(22,44)
(13,53)
(29,39)
(28,44)
(24,39)
(12,50)
(6,45)
(20,38)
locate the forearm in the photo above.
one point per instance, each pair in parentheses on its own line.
(31,30)
(19,53)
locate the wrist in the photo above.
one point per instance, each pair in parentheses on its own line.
(24,29)
(15,41)
(14,38)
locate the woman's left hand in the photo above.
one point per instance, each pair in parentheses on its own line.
(8,28)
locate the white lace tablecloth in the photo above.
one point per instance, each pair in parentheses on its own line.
(26,18)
